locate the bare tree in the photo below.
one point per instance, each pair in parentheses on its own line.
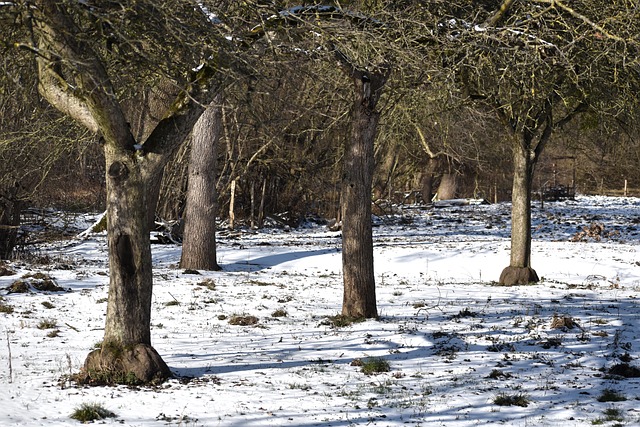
(81,50)
(536,65)
(359,299)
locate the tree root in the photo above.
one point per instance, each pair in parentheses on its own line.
(116,364)
(512,276)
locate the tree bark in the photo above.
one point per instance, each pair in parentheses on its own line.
(448,187)
(232,201)
(126,348)
(199,242)
(10,207)
(519,271)
(263,196)
(143,113)
(359,299)
(426,186)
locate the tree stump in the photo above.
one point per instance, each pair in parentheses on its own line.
(512,276)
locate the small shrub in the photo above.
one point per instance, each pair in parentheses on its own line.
(501,346)
(610,414)
(101,300)
(54,333)
(296,386)
(551,343)
(609,395)
(47,304)
(106,377)
(88,412)
(614,414)
(626,358)
(375,365)
(519,399)
(47,324)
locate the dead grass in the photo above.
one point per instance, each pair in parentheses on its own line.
(563,322)
(517,399)
(5,308)
(90,412)
(47,324)
(208,283)
(341,321)
(243,320)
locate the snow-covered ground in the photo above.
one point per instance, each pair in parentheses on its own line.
(457,344)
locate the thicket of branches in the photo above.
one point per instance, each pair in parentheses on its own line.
(286,113)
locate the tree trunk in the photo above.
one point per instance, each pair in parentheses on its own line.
(519,270)
(143,113)
(359,298)
(263,196)
(232,201)
(10,208)
(153,197)
(199,243)
(426,186)
(448,187)
(252,216)
(126,348)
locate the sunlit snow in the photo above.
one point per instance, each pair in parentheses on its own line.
(454,340)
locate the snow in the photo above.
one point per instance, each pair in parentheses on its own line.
(453,339)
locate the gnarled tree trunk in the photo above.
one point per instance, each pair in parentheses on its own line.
(126,354)
(126,348)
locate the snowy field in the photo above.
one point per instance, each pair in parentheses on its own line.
(461,350)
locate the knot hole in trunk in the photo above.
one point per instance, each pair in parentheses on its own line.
(118,171)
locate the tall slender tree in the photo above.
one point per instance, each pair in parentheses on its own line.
(359,298)
(199,243)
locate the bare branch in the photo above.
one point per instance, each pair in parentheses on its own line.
(57,92)
(500,13)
